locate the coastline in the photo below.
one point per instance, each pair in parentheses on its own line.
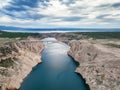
(59,30)
(99,65)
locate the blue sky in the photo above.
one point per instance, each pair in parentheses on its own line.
(60,13)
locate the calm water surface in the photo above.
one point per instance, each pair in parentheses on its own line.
(56,72)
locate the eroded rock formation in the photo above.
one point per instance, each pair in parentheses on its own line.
(16,61)
(99,65)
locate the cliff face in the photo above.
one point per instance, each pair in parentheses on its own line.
(16,61)
(99,65)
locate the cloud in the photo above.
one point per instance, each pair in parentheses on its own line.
(54,8)
(9,20)
(116,5)
(72,19)
(4,3)
(50,13)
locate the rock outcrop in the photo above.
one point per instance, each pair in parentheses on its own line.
(16,61)
(99,64)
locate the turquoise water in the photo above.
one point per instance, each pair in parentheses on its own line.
(56,72)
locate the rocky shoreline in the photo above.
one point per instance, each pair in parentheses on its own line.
(16,62)
(99,64)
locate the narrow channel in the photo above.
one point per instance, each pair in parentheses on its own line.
(56,72)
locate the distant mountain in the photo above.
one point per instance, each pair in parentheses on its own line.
(20,28)
(9,28)
(60,29)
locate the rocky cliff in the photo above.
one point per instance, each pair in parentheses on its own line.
(17,60)
(99,64)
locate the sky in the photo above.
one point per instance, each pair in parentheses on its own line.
(60,13)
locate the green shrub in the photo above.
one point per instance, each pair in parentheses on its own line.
(7,62)
(113,45)
(15,34)
(100,35)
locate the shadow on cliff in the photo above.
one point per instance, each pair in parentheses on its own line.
(77,64)
(88,88)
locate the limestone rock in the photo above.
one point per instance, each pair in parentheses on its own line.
(16,62)
(99,65)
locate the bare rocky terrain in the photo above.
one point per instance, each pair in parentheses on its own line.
(99,62)
(97,53)
(17,60)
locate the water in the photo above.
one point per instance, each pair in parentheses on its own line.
(59,30)
(56,72)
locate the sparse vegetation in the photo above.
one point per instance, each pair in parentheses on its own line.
(4,34)
(5,51)
(100,35)
(7,62)
(113,45)
(4,72)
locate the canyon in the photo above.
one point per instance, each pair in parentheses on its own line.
(17,60)
(99,60)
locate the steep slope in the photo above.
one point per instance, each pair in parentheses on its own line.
(99,64)
(16,61)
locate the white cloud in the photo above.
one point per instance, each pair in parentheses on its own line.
(55,8)
(4,3)
(6,19)
(88,10)
(82,8)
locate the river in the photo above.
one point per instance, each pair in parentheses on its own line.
(56,72)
